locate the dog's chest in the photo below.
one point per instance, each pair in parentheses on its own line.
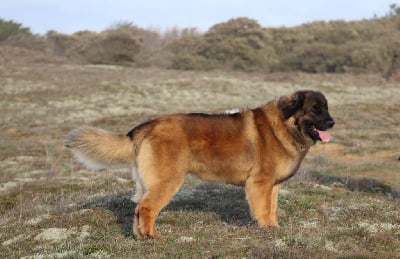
(286,168)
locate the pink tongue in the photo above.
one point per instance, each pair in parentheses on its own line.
(324,136)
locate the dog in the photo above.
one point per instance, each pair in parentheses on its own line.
(256,148)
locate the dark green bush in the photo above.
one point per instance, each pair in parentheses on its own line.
(237,44)
(11,28)
(119,46)
(114,47)
(367,46)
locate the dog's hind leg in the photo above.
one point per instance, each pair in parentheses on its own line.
(139,191)
(161,180)
(156,197)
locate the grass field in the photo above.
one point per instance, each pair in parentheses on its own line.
(344,201)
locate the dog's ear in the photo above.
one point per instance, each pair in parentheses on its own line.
(289,104)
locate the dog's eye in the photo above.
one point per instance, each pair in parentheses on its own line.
(317,109)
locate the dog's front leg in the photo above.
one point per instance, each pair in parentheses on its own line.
(274,205)
(259,192)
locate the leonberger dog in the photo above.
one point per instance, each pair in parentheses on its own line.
(255,148)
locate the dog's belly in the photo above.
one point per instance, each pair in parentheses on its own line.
(229,170)
(228,161)
(233,177)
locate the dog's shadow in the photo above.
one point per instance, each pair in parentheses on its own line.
(228,202)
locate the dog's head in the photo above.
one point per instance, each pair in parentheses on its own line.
(309,109)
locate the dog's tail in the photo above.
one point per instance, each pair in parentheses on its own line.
(98,149)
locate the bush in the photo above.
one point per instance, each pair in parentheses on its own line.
(337,47)
(27,41)
(368,46)
(61,44)
(11,28)
(390,51)
(240,44)
(114,47)
(367,57)
(118,46)
(321,58)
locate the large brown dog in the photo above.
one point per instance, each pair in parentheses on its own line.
(257,148)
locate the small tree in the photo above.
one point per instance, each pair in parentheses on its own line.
(10,28)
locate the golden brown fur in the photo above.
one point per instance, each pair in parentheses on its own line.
(257,148)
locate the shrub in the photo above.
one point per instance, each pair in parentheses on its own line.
(366,57)
(285,40)
(321,58)
(27,41)
(61,44)
(334,32)
(390,51)
(337,47)
(114,47)
(240,44)
(119,46)
(11,28)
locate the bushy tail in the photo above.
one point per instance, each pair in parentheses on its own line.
(98,149)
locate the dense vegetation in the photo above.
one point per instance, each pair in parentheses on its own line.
(368,46)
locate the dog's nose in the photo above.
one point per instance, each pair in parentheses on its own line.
(330,123)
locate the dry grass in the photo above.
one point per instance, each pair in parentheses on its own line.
(341,204)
